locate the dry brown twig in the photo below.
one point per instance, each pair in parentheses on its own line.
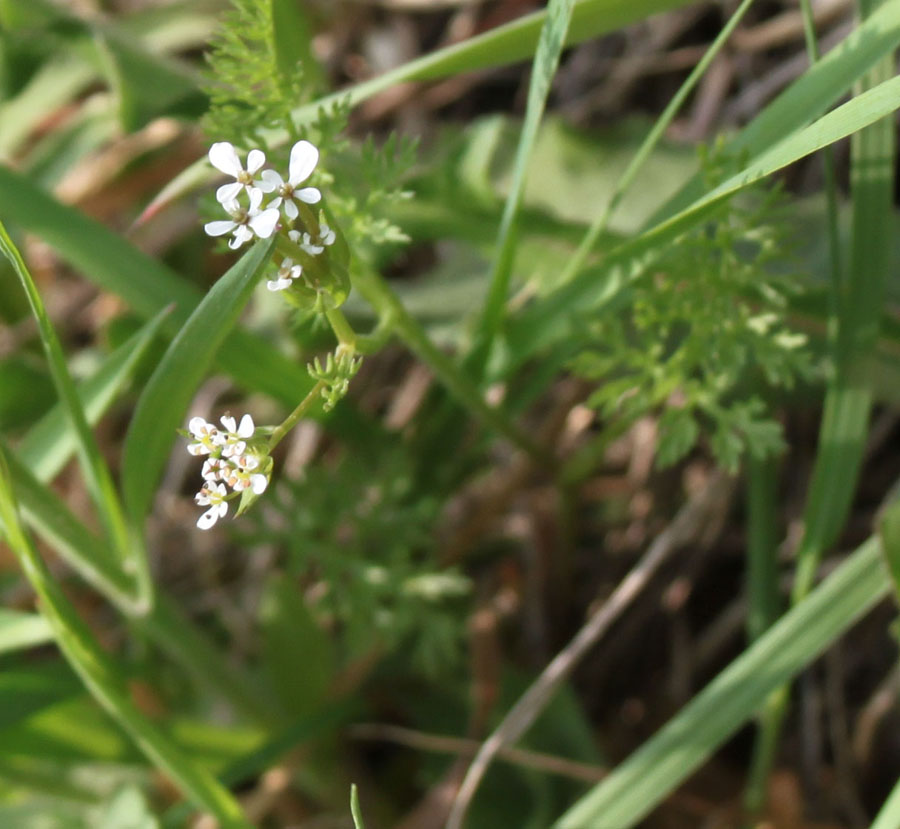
(689,522)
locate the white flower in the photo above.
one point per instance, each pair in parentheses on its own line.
(224,157)
(286,273)
(304,157)
(241,475)
(234,442)
(213,496)
(207,437)
(245,222)
(214,469)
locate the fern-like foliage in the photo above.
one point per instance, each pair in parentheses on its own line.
(252,83)
(701,330)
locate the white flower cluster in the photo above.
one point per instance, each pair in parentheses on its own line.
(252,218)
(231,461)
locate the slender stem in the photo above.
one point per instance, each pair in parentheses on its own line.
(380,296)
(342,330)
(762,548)
(294,417)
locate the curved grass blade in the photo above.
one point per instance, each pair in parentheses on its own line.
(162,405)
(49,443)
(97,475)
(22,630)
(101,678)
(659,766)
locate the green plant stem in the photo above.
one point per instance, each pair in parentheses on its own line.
(601,222)
(388,306)
(102,679)
(762,547)
(342,330)
(294,417)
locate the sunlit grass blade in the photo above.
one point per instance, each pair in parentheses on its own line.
(102,679)
(658,767)
(888,816)
(97,475)
(50,443)
(22,630)
(546,60)
(809,96)
(163,403)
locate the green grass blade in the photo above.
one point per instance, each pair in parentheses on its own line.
(102,679)
(162,405)
(546,60)
(888,816)
(50,443)
(809,96)
(97,475)
(657,768)
(22,630)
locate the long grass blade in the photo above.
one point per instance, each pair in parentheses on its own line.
(546,60)
(686,742)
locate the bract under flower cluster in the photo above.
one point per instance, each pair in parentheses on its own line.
(235,460)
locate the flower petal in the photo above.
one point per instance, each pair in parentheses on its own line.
(304,157)
(278,284)
(311,195)
(256,197)
(264,224)
(255,160)
(259,483)
(219,228)
(224,157)
(246,429)
(241,234)
(290,210)
(196,425)
(205,521)
(269,181)
(228,422)
(227,193)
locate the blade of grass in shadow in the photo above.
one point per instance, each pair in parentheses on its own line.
(22,630)
(102,679)
(162,405)
(97,475)
(848,401)
(546,60)
(762,545)
(661,764)
(50,442)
